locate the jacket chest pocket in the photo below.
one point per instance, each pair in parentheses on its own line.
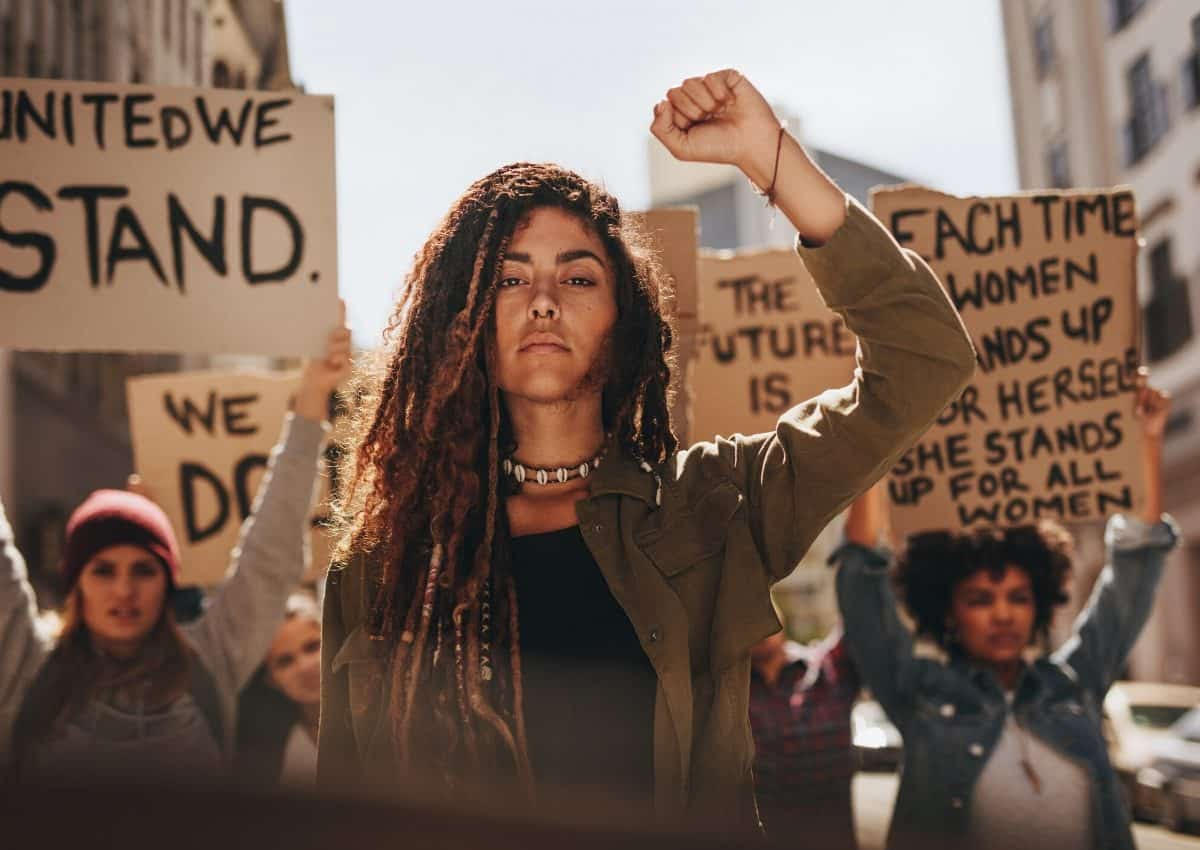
(950,717)
(1071,728)
(687,547)
(365,666)
(690,534)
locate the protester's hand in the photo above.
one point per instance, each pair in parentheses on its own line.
(719,118)
(722,118)
(1153,406)
(136,484)
(323,375)
(868,522)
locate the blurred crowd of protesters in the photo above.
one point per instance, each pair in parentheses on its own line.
(429,663)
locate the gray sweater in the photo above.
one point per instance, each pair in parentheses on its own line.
(230,638)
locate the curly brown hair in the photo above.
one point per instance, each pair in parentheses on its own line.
(423,506)
(934,563)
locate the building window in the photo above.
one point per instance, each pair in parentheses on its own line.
(1148,119)
(183,34)
(240,81)
(1121,12)
(100,70)
(62,40)
(1168,313)
(198,47)
(220,77)
(1059,166)
(78,32)
(38,51)
(8,46)
(1191,70)
(1043,45)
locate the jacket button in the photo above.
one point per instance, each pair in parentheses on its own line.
(654,635)
(975,750)
(598,528)
(947,709)
(956,802)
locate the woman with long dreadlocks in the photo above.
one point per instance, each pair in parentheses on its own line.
(535,583)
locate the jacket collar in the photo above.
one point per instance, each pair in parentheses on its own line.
(620,474)
(1028,683)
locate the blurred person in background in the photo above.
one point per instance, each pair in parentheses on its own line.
(801,697)
(279,709)
(123,691)
(1001,751)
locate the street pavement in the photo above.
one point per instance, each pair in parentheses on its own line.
(874,794)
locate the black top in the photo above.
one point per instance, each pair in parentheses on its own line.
(589,687)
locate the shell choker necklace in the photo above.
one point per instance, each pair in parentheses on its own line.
(520,472)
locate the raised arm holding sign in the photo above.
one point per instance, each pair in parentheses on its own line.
(201,442)
(167,692)
(1008,723)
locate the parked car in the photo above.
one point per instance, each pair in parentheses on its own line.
(1171,784)
(1136,716)
(877,743)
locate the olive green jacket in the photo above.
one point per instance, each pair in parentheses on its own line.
(737,515)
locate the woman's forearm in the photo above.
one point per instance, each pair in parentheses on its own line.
(811,201)
(866,523)
(1152,449)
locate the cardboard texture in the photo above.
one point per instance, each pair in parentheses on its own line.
(201,442)
(1046,285)
(140,218)
(674,235)
(765,342)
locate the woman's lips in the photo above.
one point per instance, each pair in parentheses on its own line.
(1005,641)
(543,348)
(542,343)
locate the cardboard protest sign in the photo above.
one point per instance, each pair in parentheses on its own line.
(201,441)
(674,234)
(766,342)
(1046,284)
(140,218)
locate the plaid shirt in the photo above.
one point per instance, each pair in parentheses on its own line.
(804,756)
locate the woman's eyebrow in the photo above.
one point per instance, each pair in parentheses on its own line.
(564,257)
(579,254)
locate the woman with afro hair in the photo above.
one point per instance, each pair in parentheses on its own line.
(1002,740)
(537,591)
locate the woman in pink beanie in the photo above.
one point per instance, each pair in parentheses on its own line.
(124,692)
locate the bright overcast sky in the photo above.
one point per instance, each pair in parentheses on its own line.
(432,95)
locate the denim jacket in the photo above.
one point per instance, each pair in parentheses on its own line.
(951,715)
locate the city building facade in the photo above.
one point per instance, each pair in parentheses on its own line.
(1107,93)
